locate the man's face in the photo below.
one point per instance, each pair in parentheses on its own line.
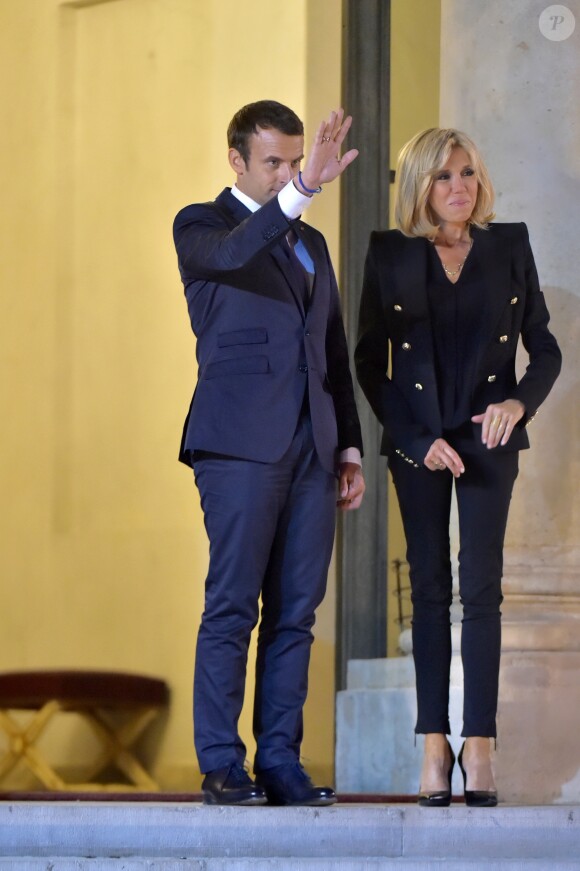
(274,160)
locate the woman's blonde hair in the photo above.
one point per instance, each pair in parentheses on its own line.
(419,162)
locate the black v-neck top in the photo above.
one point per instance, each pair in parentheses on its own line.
(456,311)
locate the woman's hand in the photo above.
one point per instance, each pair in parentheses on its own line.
(498,421)
(323,164)
(441,456)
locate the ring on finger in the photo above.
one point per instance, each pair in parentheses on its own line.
(326,138)
(496,421)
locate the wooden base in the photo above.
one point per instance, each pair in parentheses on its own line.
(94,696)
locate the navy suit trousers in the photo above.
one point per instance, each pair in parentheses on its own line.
(271,529)
(483,496)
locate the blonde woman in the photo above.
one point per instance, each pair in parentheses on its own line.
(446,298)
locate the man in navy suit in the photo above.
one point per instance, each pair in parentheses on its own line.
(274,439)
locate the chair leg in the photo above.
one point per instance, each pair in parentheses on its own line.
(42,770)
(22,740)
(13,754)
(116,746)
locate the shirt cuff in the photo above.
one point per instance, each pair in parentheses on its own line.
(350,455)
(292,202)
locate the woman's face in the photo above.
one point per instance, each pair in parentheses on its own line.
(454,190)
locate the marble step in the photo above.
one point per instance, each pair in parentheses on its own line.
(85,836)
(96,864)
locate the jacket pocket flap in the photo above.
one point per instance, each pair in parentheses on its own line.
(255,336)
(238,366)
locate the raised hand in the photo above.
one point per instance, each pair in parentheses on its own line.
(323,163)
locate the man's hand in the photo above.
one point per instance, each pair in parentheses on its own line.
(351,486)
(441,456)
(323,164)
(498,421)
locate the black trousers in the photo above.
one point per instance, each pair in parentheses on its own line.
(483,497)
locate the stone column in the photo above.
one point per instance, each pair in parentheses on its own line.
(361,628)
(510,76)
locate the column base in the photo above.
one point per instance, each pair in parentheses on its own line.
(538,756)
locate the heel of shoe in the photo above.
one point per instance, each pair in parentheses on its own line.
(475,797)
(441,798)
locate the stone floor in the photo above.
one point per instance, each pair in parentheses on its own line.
(85,836)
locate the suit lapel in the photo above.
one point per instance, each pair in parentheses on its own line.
(410,269)
(309,240)
(494,264)
(411,275)
(283,263)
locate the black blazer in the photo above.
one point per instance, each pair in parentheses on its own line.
(257,349)
(394,316)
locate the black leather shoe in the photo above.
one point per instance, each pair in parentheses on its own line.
(476,797)
(290,785)
(231,785)
(441,798)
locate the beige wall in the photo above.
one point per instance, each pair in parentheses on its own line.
(415,55)
(114,118)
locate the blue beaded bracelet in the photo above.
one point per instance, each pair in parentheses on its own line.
(317,190)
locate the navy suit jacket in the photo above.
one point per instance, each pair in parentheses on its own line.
(394,316)
(258,350)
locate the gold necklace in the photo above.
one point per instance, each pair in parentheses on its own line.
(453,272)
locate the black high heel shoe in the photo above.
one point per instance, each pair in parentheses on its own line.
(441,798)
(476,797)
